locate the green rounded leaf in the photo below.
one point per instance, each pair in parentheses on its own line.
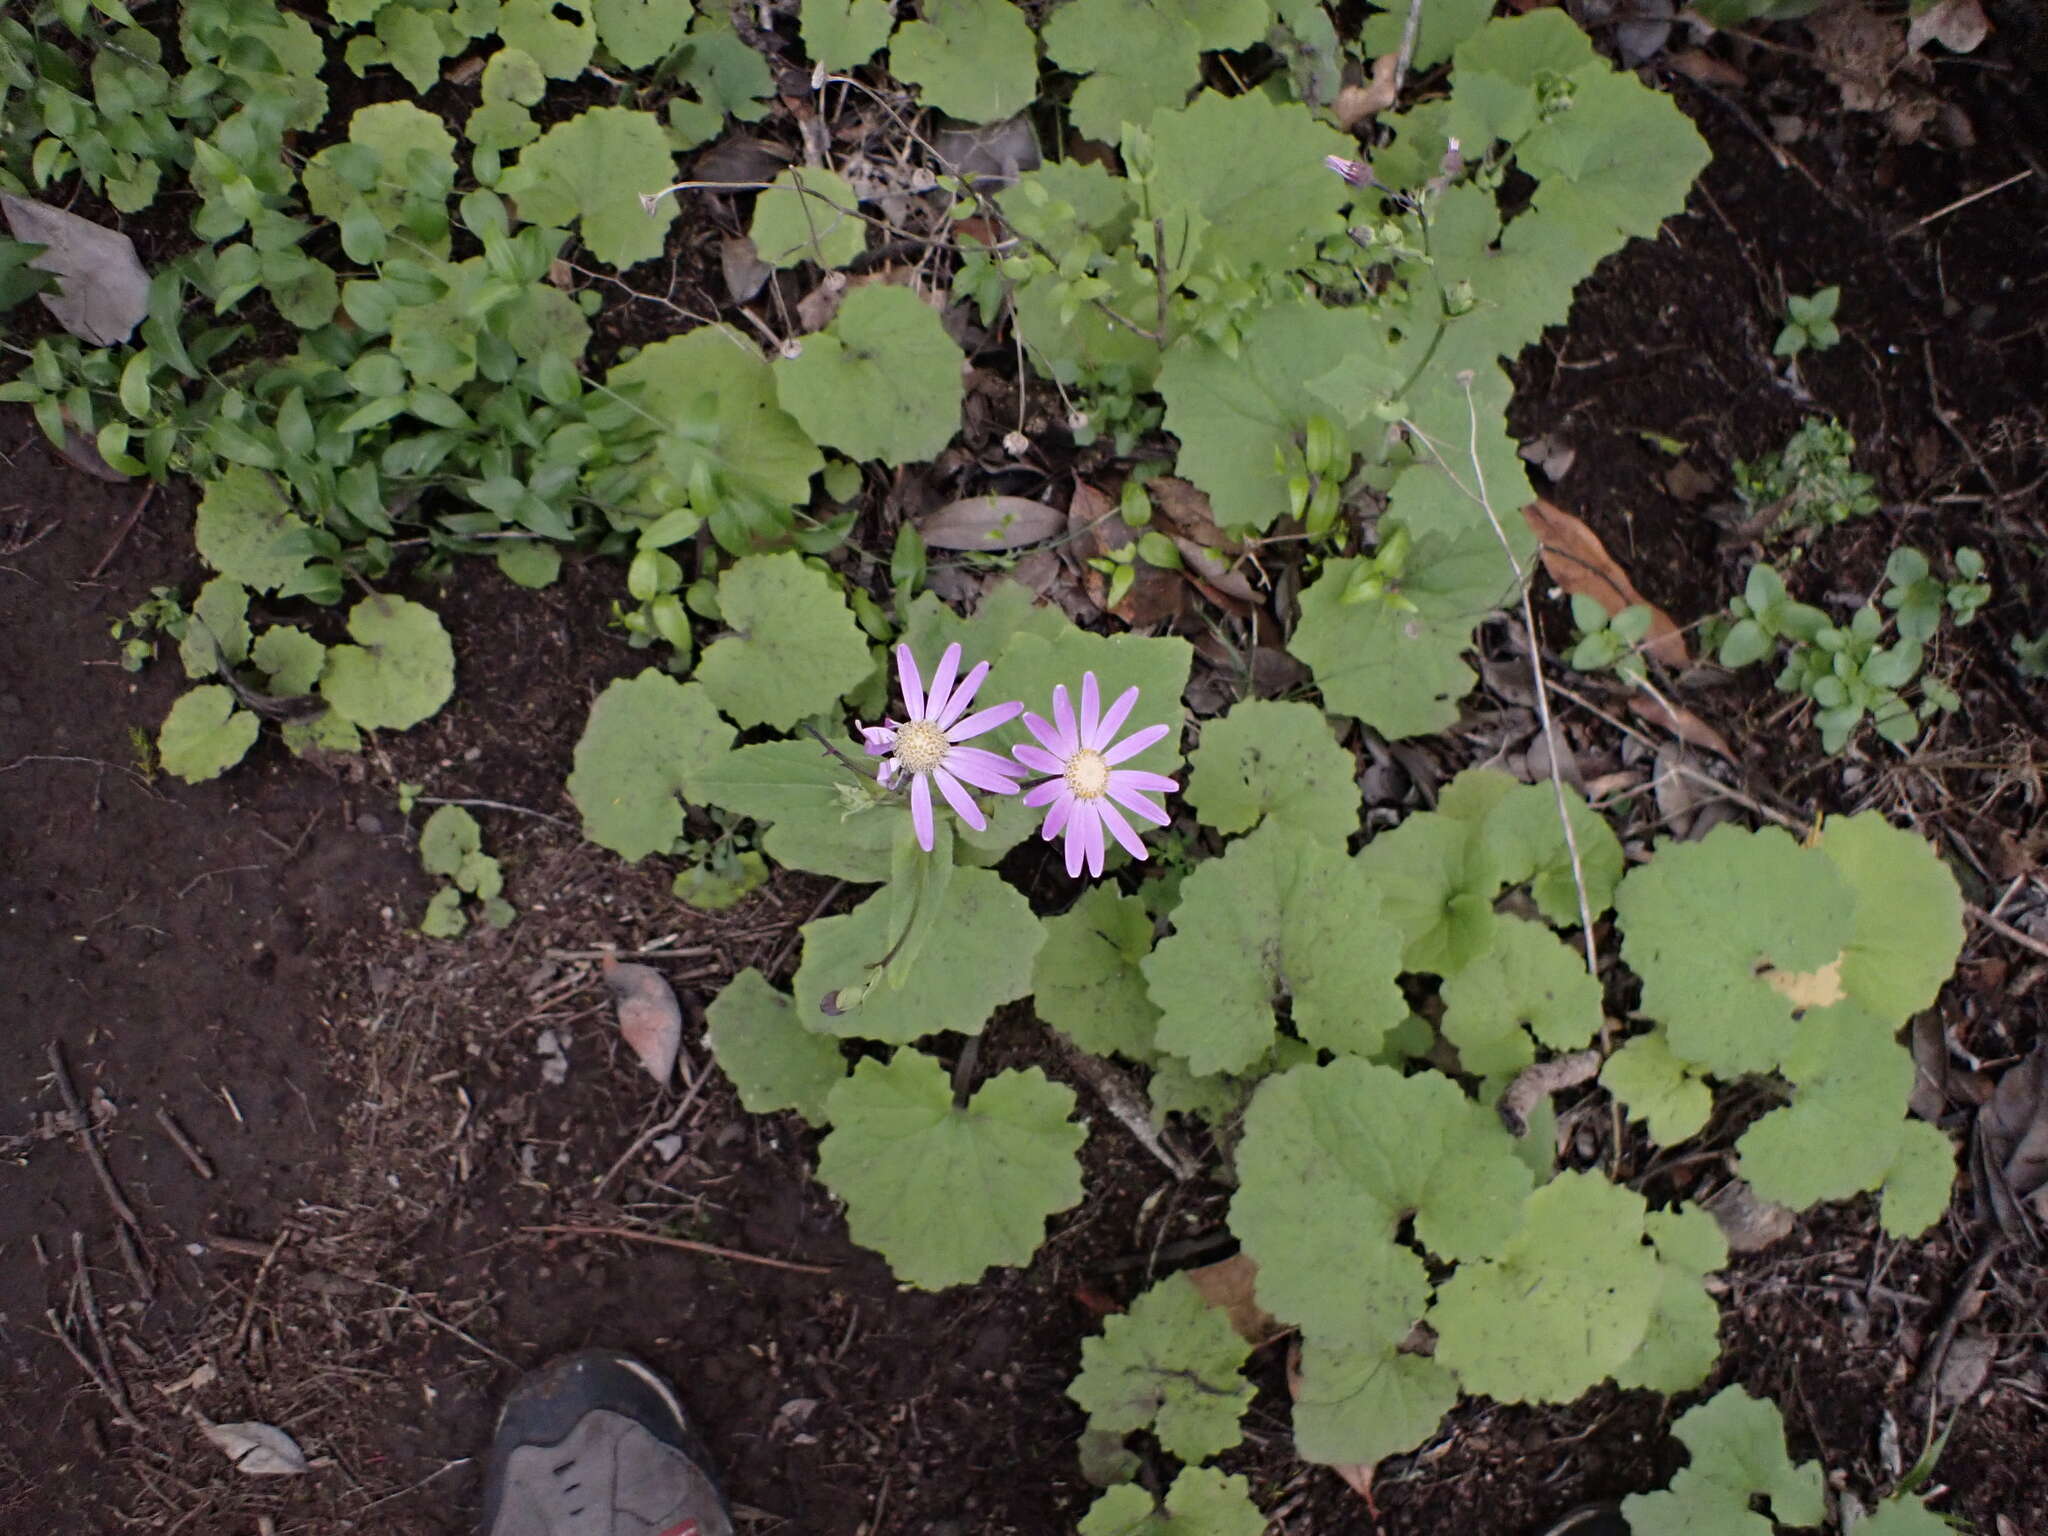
(246,529)
(1088,984)
(1278,761)
(796,646)
(1172,1364)
(595,168)
(204,735)
(881,382)
(646,739)
(974,59)
(844,34)
(808,214)
(1909,914)
(401,671)
(944,1192)
(772,1060)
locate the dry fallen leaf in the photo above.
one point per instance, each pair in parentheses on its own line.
(102,292)
(257,1450)
(1680,722)
(1704,69)
(1230,1284)
(2009,1148)
(991,523)
(744,270)
(1958,25)
(650,1020)
(1748,1222)
(1965,1368)
(1578,562)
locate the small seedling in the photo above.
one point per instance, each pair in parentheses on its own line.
(1811,482)
(451,845)
(1809,322)
(161,613)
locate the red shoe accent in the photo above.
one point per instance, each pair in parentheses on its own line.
(687,1528)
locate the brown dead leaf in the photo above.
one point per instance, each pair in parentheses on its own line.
(1183,509)
(816,309)
(746,274)
(1096,527)
(102,291)
(1688,483)
(1704,69)
(1230,1285)
(1680,722)
(1355,103)
(2009,1148)
(1748,1222)
(1578,562)
(1965,1368)
(991,523)
(1357,1474)
(650,1020)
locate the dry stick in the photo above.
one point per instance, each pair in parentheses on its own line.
(492,805)
(201,1163)
(697,952)
(88,1138)
(128,527)
(2006,930)
(121,1411)
(89,1304)
(651,1133)
(687,1245)
(1126,1101)
(1961,202)
(284,1235)
(1952,1319)
(1407,53)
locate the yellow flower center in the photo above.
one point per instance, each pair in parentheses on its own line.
(1088,774)
(921,746)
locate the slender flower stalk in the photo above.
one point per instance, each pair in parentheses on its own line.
(927,745)
(1087,787)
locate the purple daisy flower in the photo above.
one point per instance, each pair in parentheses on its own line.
(1087,779)
(927,745)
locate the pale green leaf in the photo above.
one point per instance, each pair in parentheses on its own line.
(1140,56)
(1909,914)
(291,658)
(412,157)
(1279,915)
(1654,1086)
(823,818)
(1359,1404)
(217,635)
(844,34)
(1267,760)
(204,735)
(512,82)
(246,529)
(1702,922)
(715,395)
(1444,25)
(1436,881)
(1919,1181)
(808,214)
(1528,977)
(450,837)
(560,43)
(1201,1502)
(1738,1454)
(772,1060)
(1561,1305)
(972,59)
(1903,1515)
(977,956)
(645,741)
(945,1192)
(719,887)
(595,168)
(1524,837)
(1172,1364)
(1248,172)
(1088,984)
(641,33)
(444,917)
(795,646)
(728,73)
(400,671)
(1683,1340)
(881,382)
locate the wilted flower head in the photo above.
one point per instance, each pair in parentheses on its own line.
(1086,779)
(927,744)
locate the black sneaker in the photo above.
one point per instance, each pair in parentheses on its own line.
(596,1444)
(1593,1520)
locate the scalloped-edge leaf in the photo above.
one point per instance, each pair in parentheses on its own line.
(1172,1364)
(795,646)
(204,735)
(772,1060)
(645,740)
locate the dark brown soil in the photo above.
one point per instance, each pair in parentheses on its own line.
(242,955)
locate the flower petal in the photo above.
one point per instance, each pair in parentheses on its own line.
(921,809)
(1063,716)
(1138,778)
(983,721)
(1094,831)
(1091,707)
(1037,759)
(956,706)
(1077,838)
(1061,813)
(1042,794)
(1048,737)
(887,772)
(1114,820)
(958,798)
(1130,799)
(1112,722)
(984,770)
(1131,746)
(913,689)
(942,682)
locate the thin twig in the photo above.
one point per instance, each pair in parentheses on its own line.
(694,952)
(687,1245)
(651,1134)
(89,1304)
(493,805)
(201,1163)
(1406,56)
(1952,1318)
(284,1235)
(410,1303)
(2006,930)
(128,526)
(1962,202)
(88,1138)
(63,1334)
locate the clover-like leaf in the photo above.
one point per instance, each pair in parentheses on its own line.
(1268,760)
(1279,915)
(1436,881)
(974,59)
(1528,976)
(1332,1159)
(844,34)
(1704,924)
(217,634)
(881,382)
(1738,1455)
(291,658)
(1172,1364)
(394,174)
(449,840)
(773,1061)
(1558,1307)
(977,955)
(246,529)
(1201,1502)
(512,82)
(810,214)
(1088,984)
(1140,57)
(204,735)
(945,1191)
(645,741)
(795,646)
(400,671)
(594,169)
